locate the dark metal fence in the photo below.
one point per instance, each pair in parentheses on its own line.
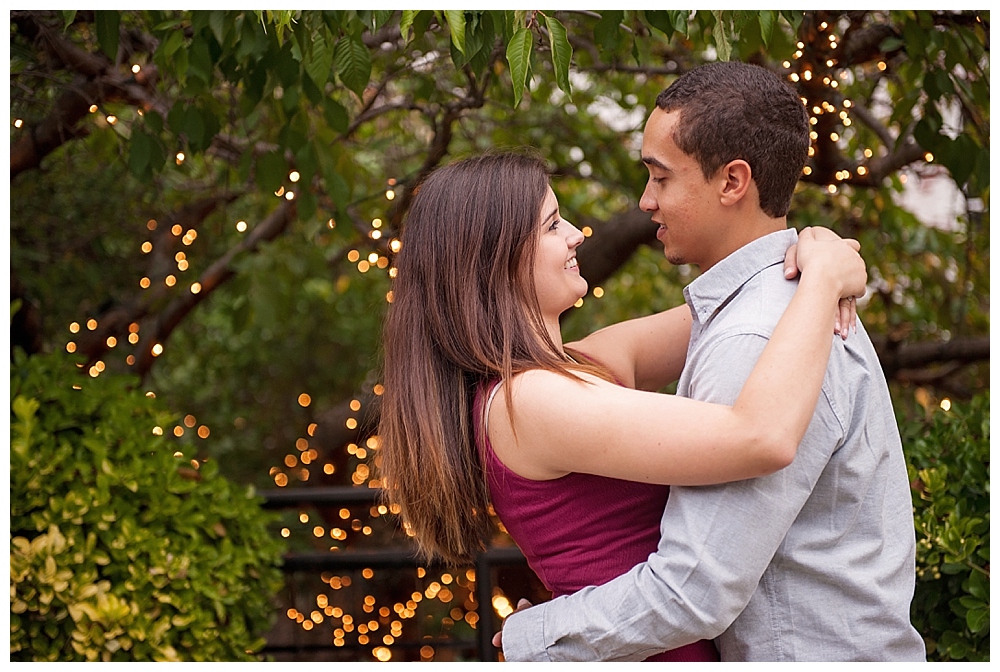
(402,557)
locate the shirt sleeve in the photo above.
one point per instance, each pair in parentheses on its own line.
(716,542)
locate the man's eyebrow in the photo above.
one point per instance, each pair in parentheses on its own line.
(650,161)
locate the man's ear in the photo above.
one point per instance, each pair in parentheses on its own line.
(736,179)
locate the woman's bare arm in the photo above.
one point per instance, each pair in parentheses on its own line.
(564,425)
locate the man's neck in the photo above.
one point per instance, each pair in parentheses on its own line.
(742,234)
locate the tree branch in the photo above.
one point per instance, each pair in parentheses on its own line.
(897,357)
(98,82)
(613,243)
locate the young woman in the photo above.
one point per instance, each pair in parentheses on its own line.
(484,405)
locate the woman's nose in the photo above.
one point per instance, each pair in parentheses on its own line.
(575,236)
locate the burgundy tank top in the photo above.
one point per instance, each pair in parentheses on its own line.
(578,530)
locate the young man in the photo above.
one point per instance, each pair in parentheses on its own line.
(815,562)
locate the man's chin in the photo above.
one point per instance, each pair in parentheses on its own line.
(674,258)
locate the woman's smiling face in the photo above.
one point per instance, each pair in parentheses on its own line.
(558,283)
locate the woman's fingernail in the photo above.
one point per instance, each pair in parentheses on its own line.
(789,272)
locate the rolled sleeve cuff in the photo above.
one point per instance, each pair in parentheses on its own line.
(524,636)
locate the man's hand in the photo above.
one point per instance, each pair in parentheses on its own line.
(522,604)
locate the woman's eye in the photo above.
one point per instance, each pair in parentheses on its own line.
(554,225)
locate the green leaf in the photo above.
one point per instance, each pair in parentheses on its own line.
(319,64)
(69,15)
(406,22)
(890,44)
(562,52)
(107,23)
(978,619)
(485,37)
(200,60)
(353,63)
(722,45)
(217,21)
(380,17)
(961,158)
(139,153)
(271,171)
(456,24)
(335,115)
(794,17)
(519,58)
(607,31)
(679,18)
(660,20)
(767,20)
(173,42)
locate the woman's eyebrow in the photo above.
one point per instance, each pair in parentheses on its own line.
(552,214)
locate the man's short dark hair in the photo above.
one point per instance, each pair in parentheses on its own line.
(731,110)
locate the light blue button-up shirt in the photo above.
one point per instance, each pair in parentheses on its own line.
(814,562)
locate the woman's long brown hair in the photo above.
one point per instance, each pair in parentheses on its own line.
(464,311)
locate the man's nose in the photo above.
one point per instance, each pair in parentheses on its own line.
(646,202)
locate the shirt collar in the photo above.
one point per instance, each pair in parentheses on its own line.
(711,289)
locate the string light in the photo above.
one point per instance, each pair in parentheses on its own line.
(18,123)
(241,226)
(179,158)
(136,69)
(293,176)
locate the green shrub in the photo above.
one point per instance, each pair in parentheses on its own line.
(120,548)
(949,469)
